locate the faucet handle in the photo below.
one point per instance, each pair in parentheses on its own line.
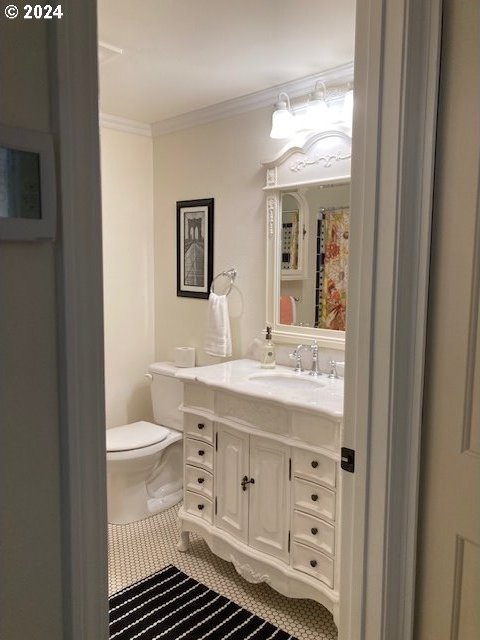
(295,355)
(333,369)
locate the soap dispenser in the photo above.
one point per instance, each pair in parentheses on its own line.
(267,360)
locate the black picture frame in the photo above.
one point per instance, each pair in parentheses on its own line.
(195,247)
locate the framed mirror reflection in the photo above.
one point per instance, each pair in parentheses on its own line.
(308,228)
(315,224)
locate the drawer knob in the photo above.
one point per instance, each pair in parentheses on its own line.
(200,506)
(201,452)
(314,497)
(200,480)
(314,531)
(201,425)
(313,563)
(314,464)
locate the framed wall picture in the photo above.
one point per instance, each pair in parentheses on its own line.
(194,247)
(27,185)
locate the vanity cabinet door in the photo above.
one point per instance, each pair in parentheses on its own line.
(231,466)
(269,497)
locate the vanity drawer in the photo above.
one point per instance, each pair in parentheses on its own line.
(313,531)
(313,562)
(315,466)
(199,480)
(199,453)
(198,427)
(313,498)
(199,506)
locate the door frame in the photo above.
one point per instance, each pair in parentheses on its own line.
(72,44)
(396,79)
(393,148)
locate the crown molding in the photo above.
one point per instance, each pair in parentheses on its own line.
(295,89)
(124,124)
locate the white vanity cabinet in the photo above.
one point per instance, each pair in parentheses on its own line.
(252,497)
(262,489)
(232,458)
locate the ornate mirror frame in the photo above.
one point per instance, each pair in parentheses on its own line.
(318,159)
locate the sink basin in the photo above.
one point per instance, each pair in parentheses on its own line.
(286,381)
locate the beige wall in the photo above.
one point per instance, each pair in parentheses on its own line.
(30,533)
(220,160)
(127,203)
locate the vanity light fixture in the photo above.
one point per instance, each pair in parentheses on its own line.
(317,115)
(283,119)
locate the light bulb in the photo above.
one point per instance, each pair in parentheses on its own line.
(283,121)
(317,116)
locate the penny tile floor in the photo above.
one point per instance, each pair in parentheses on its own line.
(138,549)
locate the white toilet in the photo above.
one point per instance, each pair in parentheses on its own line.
(145,460)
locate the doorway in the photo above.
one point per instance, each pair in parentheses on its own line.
(364,619)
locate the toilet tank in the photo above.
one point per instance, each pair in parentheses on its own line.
(167,395)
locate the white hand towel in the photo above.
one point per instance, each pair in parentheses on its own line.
(219,340)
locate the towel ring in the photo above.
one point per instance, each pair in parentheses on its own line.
(231,274)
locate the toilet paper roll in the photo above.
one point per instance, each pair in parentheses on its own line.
(184,357)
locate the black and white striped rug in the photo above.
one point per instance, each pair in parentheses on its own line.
(171,605)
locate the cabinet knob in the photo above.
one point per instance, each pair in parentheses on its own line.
(314,464)
(201,452)
(201,425)
(314,497)
(313,563)
(200,506)
(200,480)
(314,531)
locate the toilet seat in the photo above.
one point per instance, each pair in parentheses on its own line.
(137,435)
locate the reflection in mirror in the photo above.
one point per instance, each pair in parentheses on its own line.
(314,256)
(293,230)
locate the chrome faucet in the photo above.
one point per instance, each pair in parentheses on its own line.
(297,356)
(315,371)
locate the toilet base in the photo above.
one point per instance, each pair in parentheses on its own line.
(138,488)
(155,505)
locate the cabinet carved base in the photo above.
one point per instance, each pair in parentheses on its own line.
(255,566)
(247,572)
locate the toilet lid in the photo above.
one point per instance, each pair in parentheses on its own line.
(135,436)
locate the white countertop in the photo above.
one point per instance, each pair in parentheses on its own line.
(321,394)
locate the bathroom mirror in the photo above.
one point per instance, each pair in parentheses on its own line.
(308,220)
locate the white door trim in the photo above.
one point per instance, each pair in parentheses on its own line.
(396,80)
(74,98)
(396,83)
